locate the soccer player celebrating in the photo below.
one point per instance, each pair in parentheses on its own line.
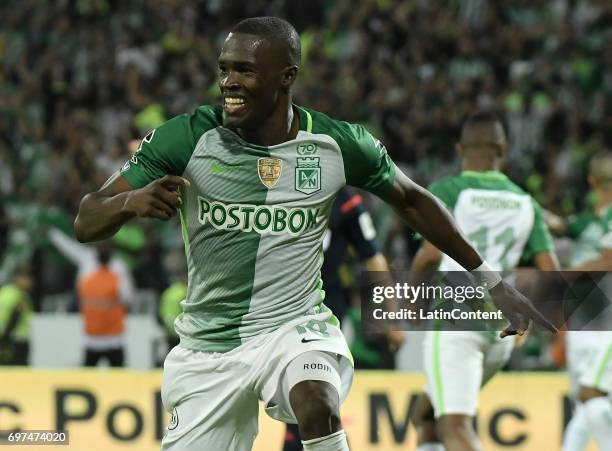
(254,182)
(504,223)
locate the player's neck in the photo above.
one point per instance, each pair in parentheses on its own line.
(483,165)
(280,127)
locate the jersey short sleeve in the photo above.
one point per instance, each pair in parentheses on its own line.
(167,149)
(575,224)
(540,239)
(367,164)
(446,190)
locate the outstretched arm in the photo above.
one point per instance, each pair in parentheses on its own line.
(79,254)
(103,212)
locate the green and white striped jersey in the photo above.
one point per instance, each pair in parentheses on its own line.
(592,234)
(501,221)
(254,217)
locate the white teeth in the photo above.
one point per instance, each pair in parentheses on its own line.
(234,101)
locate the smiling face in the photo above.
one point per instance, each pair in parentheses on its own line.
(252,79)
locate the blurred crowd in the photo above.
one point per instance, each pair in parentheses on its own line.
(82,80)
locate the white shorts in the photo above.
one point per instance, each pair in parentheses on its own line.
(458,364)
(597,372)
(580,347)
(213,397)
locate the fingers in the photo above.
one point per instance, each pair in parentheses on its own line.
(537,317)
(508,331)
(170,198)
(165,198)
(526,307)
(158,214)
(525,310)
(168,210)
(172,182)
(511,330)
(158,210)
(516,328)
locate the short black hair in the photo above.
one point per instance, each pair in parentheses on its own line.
(482,118)
(483,133)
(276,30)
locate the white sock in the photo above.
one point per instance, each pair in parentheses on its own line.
(577,434)
(599,419)
(431,447)
(334,442)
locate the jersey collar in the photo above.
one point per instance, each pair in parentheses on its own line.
(305,119)
(491,175)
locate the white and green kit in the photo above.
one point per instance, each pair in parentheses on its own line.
(504,224)
(254,217)
(589,352)
(253,222)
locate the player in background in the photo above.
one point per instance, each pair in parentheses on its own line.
(254,181)
(504,224)
(589,352)
(350,225)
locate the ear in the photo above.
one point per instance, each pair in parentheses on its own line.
(288,76)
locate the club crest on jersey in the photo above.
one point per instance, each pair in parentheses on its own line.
(269,170)
(308,175)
